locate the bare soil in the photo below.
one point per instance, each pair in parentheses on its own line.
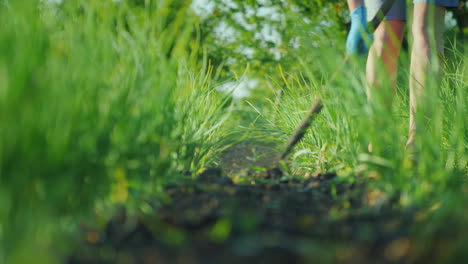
(243,214)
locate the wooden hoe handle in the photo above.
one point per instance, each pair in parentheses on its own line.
(302,128)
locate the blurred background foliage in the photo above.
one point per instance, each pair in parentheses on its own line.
(262,34)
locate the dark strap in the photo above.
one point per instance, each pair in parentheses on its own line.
(380,15)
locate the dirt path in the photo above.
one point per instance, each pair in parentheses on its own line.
(245,217)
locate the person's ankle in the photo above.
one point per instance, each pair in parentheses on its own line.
(410,144)
(411,155)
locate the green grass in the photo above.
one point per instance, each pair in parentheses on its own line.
(99,105)
(338,139)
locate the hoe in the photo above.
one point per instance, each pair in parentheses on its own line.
(317,106)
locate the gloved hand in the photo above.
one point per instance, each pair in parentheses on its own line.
(356,42)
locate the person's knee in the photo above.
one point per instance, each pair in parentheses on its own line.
(384,43)
(421,42)
(381,39)
(388,37)
(427,28)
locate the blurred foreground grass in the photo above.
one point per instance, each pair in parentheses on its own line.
(101,102)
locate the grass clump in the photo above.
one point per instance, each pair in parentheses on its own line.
(97,103)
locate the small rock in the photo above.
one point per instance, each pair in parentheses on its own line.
(274,173)
(210,174)
(224,181)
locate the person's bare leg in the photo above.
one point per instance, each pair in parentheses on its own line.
(384,51)
(427,29)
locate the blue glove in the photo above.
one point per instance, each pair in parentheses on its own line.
(356,42)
